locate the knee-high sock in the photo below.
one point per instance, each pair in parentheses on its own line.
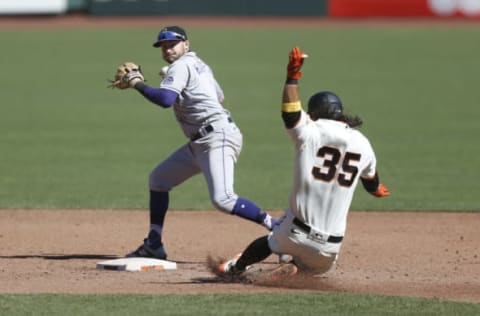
(257,251)
(158,209)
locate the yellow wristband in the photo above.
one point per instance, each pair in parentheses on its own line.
(292,107)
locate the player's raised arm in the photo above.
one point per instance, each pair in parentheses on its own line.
(291,105)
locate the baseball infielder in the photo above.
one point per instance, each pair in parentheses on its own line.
(215,141)
(330,156)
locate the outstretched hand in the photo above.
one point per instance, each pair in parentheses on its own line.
(295,63)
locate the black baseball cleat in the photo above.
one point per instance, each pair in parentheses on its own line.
(146,251)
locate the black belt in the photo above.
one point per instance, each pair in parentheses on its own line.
(206,130)
(307,229)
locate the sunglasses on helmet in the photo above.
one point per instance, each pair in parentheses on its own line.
(170,36)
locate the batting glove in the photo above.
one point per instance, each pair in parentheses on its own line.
(382,191)
(295,62)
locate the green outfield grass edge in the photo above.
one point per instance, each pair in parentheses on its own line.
(232,304)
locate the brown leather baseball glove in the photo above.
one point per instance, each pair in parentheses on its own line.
(127,75)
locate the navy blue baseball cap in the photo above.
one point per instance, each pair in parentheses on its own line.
(170,33)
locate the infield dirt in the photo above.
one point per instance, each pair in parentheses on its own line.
(432,255)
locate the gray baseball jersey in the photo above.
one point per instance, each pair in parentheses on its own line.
(200,95)
(199,105)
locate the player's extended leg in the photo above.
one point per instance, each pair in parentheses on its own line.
(218,168)
(257,251)
(177,168)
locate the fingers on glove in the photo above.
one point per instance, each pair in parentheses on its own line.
(117,83)
(382,191)
(129,66)
(112,83)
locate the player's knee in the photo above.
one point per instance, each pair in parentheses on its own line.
(156,184)
(224,203)
(159,182)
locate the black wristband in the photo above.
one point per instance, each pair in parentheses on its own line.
(371,185)
(140,86)
(291,81)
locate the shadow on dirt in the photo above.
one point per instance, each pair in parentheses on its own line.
(61,257)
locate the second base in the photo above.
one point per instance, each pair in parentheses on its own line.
(137,264)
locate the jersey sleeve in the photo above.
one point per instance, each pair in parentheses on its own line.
(177,77)
(219,91)
(162,97)
(300,131)
(371,163)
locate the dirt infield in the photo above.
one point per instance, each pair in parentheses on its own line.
(432,255)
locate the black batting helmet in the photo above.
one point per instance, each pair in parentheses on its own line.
(325,105)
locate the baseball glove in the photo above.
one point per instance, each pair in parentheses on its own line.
(127,75)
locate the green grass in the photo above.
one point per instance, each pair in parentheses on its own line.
(231,304)
(68,142)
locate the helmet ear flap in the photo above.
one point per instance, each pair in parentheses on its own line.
(334,112)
